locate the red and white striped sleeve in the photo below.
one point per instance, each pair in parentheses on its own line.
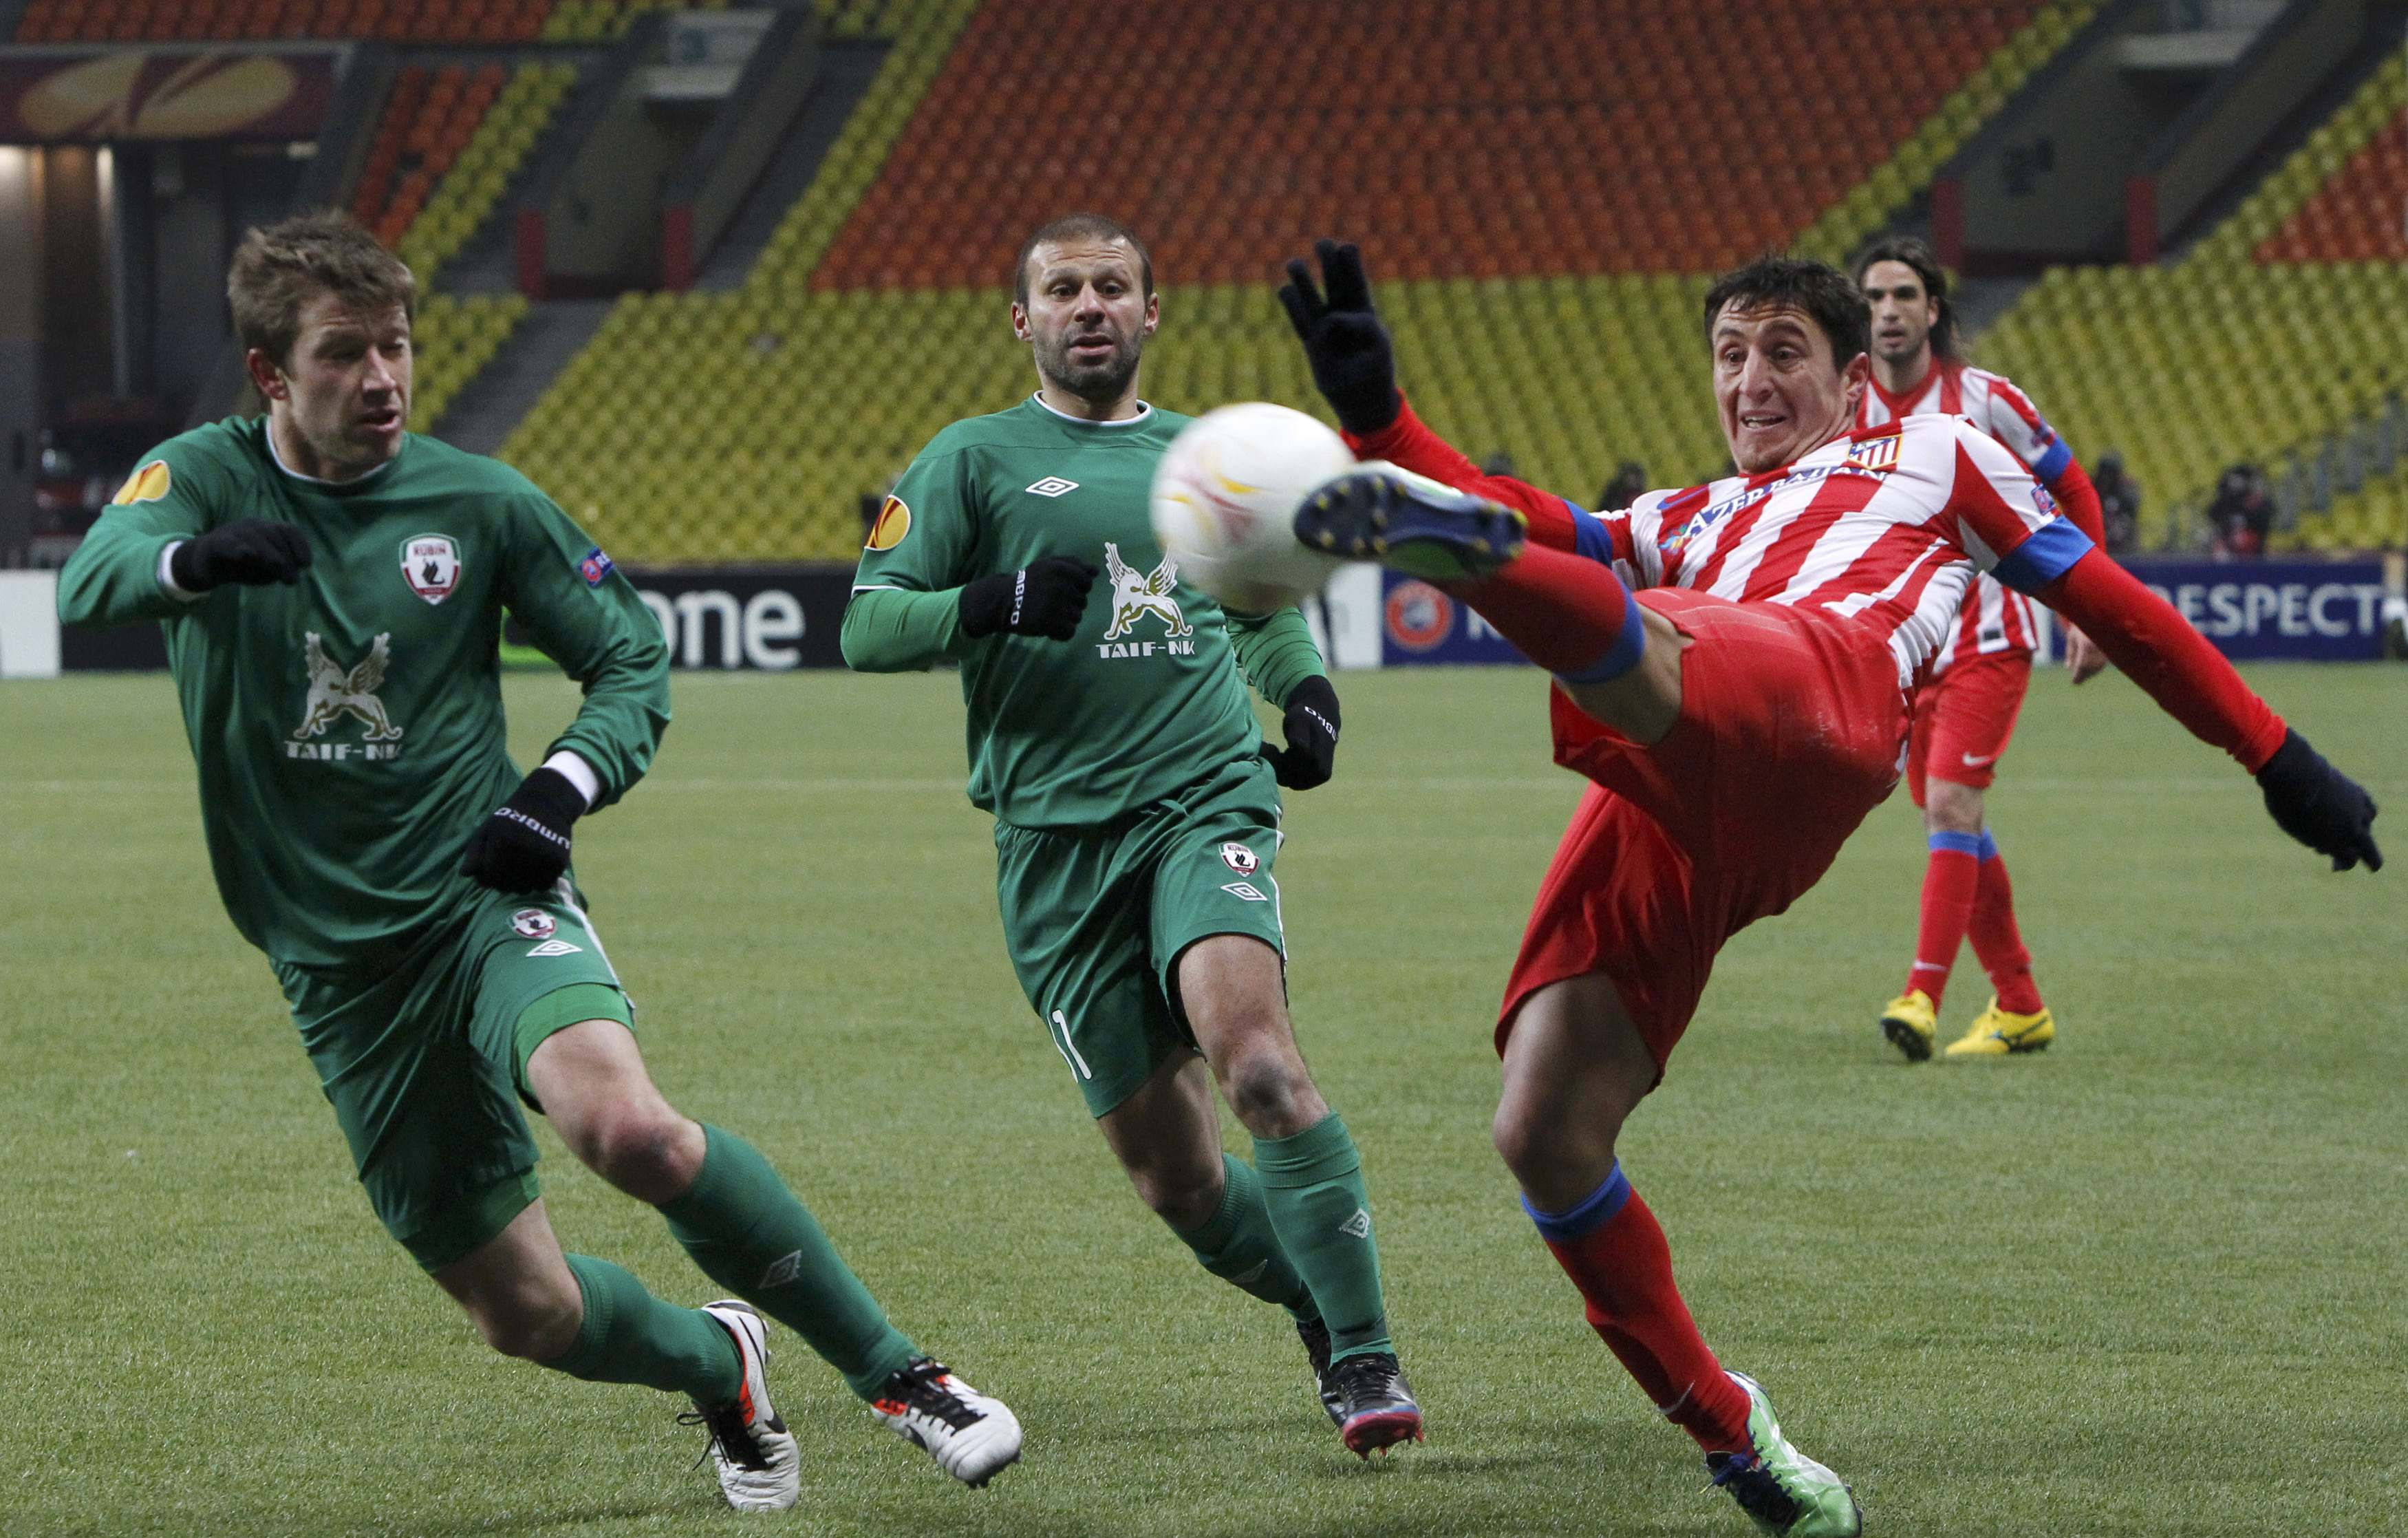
(2004,519)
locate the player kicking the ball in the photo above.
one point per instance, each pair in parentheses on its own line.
(1136,806)
(1966,709)
(332,588)
(1739,717)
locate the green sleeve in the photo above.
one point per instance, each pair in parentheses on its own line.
(600,633)
(889,630)
(1275,651)
(113,576)
(906,596)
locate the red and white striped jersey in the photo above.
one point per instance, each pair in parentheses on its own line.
(1884,525)
(1995,618)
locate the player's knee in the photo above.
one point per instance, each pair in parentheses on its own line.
(1536,1147)
(1952,809)
(1269,1091)
(643,1147)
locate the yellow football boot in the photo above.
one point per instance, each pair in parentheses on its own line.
(1998,1033)
(1913,1024)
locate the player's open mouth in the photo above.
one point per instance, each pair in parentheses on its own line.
(1091,344)
(1758,420)
(381,421)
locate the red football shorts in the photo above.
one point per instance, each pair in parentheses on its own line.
(1790,729)
(1963,718)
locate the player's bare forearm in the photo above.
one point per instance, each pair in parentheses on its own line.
(896,630)
(2174,664)
(1409,442)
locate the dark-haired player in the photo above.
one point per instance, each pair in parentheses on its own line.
(1739,717)
(1965,712)
(1136,803)
(332,588)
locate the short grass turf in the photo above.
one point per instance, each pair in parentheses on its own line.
(2149,1282)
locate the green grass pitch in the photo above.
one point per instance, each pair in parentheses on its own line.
(2150,1282)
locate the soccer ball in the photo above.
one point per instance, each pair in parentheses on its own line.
(1225,494)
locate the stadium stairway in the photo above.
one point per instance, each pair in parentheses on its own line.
(546,336)
(1532,318)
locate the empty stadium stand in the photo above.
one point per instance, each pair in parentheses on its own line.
(1531,205)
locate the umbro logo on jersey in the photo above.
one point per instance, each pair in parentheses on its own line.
(1358,1226)
(1054,485)
(554,947)
(1245,891)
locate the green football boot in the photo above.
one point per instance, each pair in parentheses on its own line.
(1785,1490)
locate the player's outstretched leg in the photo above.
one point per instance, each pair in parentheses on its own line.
(1568,613)
(2018,1020)
(1312,1178)
(1575,1067)
(1166,1136)
(590,1319)
(750,1233)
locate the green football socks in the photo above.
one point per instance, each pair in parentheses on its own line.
(753,1236)
(1236,1244)
(1313,1187)
(630,1336)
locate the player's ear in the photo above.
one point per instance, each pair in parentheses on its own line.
(1152,312)
(1019,321)
(265,377)
(1854,377)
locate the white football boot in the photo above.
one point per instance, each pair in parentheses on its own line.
(970,1435)
(760,1467)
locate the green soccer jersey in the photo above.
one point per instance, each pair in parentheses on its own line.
(1147,698)
(349,729)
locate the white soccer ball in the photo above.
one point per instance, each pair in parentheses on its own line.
(1225,494)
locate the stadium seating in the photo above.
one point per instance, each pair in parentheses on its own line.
(1540,262)
(2280,328)
(456,337)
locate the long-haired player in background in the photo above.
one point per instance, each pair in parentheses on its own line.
(1966,712)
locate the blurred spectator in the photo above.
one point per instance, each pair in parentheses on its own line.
(2243,513)
(1500,463)
(870,502)
(1629,480)
(2119,504)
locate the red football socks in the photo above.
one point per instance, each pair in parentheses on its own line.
(1996,939)
(1624,1270)
(1568,613)
(1948,883)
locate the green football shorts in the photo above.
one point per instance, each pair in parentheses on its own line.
(1095,920)
(425,1064)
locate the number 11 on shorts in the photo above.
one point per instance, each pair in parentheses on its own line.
(1069,1049)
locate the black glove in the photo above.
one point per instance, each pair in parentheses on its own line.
(250,550)
(524,846)
(1353,361)
(1311,727)
(2318,805)
(1044,598)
